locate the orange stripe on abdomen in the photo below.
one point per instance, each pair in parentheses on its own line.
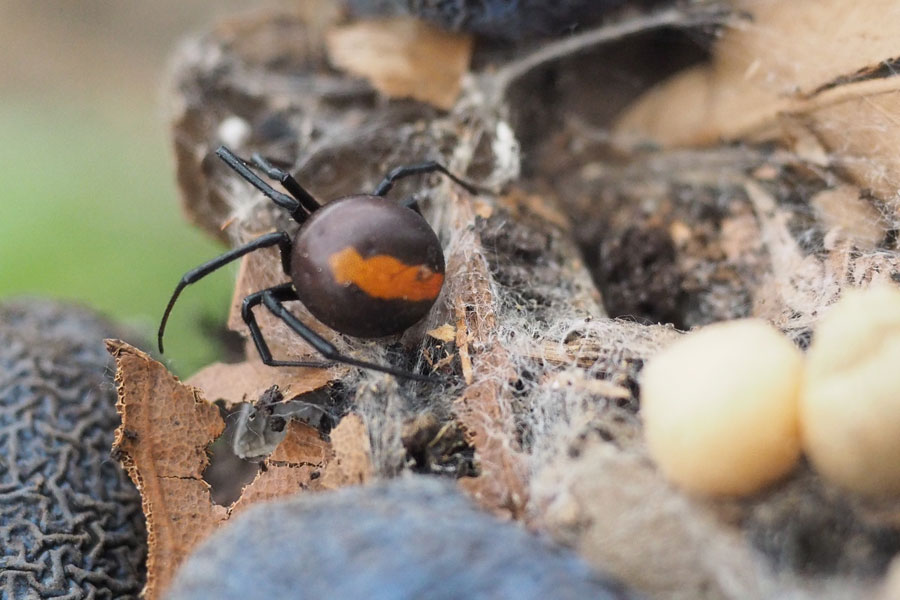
(383,276)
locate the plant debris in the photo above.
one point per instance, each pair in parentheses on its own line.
(398,56)
(162,442)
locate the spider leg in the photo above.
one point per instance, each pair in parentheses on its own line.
(273,298)
(287,180)
(293,205)
(426,167)
(412,203)
(277,238)
(280,293)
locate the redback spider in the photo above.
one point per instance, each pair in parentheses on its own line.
(361,264)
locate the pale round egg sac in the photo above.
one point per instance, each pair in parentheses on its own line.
(850,405)
(719,408)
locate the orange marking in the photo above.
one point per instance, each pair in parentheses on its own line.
(383,276)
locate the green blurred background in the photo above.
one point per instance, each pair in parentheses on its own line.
(88,205)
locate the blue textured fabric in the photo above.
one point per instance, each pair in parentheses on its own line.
(412,538)
(70,520)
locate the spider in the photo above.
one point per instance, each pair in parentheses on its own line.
(362,264)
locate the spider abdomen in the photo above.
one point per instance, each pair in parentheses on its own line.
(367,266)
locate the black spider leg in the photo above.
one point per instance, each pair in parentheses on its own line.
(294,206)
(287,180)
(277,294)
(278,238)
(413,203)
(426,167)
(272,298)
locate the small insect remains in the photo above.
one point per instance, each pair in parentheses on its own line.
(363,265)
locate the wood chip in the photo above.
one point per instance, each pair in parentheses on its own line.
(462,341)
(445,333)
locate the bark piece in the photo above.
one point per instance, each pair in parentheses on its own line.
(483,408)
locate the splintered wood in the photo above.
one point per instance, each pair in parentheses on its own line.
(483,408)
(162,443)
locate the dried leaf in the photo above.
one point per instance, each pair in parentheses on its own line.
(352,463)
(166,428)
(462,341)
(302,446)
(162,443)
(295,465)
(845,214)
(246,381)
(404,58)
